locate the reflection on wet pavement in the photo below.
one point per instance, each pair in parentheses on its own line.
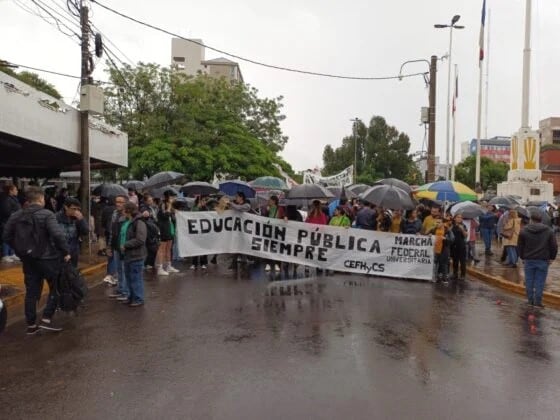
(229,345)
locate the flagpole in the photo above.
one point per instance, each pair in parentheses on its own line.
(487,57)
(454,125)
(480,74)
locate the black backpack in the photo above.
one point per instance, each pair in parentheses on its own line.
(71,288)
(27,241)
(153,234)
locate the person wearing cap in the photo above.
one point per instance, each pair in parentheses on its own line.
(74,225)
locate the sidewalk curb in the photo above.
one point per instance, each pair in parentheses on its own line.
(12,303)
(550,299)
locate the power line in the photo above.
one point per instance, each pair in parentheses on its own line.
(248,60)
(64,14)
(57,21)
(15,65)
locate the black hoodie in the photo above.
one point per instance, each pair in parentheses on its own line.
(537,242)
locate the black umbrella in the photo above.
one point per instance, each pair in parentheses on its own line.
(396,183)
(358,188)
(160,192)
(109,190)
(389,197)
(341,192)
(522,211)
(162,179)
(544,215)
(135,185)
(309,191)
(503,201)
(198,188)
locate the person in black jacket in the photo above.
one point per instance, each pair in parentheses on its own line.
(459,247)
(537,248)
(46,266)
(132,243)
(167,224)
(9,204)
(72,221)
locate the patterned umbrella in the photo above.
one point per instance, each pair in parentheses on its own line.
(269,183)
(446,191)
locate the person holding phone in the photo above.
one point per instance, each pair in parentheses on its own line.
(74,225)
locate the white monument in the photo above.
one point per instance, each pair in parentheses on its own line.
(524,175)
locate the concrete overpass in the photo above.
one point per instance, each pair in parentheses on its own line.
(40,135)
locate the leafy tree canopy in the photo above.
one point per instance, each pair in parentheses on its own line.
(491,173)
(382,152)
(194,125)
(33,80)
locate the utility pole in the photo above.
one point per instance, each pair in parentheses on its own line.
(84,114)
(432,122)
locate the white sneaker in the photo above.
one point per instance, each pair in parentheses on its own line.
(7,260)
(15,258)
(162,272)
(267,267)
(193,267)
(171,269)
(203,267)
(108,279)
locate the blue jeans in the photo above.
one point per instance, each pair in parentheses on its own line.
(535,277)
(7,251)
(122,284)
(134,272)
(511,251)
(487,235)
(111,265)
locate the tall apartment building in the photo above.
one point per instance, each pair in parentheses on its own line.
(189,57)
(550,130)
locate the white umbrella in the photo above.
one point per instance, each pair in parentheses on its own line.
(467,209)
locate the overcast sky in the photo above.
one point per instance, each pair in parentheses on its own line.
(354,37)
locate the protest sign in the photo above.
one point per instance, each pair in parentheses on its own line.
(326,247)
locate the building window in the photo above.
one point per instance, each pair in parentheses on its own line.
(556,136)
(179,59)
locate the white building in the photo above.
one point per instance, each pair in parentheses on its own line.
(189,57)
(441,169)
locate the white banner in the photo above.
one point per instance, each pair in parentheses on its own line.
(342,179)
(326,247)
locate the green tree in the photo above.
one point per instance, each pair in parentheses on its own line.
(33,80)
(382,152)
(491,173)
(194,125)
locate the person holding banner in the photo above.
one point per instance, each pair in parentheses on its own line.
(202,261)
(167,223)
(240,203)
(273,211)
(411,225)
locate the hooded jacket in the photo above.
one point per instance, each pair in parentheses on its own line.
(537,242)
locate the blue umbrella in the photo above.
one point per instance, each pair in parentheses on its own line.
(231,188)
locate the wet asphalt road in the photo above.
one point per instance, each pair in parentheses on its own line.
(216,347)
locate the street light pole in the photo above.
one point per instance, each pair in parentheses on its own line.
(453,25)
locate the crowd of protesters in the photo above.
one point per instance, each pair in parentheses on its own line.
(137,233)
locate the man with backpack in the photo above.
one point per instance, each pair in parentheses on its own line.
(39,241)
